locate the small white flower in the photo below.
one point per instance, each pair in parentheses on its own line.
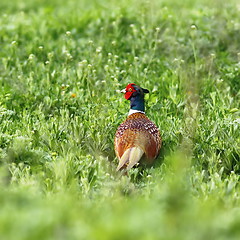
(31,57)
(99,49)
(68,33)
(69,56)
(219,80)
(50,55)
(193,27)
(157,29)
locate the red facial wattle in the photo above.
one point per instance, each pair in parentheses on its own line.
(129,91)
(128,95)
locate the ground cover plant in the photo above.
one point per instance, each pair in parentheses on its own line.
(62,64)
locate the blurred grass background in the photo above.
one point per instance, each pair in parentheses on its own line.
(61,64)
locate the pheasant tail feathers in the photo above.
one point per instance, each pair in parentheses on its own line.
(130,157)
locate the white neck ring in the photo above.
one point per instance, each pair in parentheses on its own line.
(135,111)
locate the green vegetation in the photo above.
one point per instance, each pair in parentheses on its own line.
(62,63)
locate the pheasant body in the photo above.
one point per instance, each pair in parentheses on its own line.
(137,137)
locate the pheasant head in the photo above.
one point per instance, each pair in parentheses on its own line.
(135,94)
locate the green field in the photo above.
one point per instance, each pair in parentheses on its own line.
(61,66)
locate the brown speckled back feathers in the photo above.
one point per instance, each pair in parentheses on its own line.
(138,136)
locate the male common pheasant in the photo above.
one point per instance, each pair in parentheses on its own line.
(137,137)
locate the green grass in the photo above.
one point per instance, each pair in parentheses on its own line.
(61,66)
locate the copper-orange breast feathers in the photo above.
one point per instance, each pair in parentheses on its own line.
(135,137)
